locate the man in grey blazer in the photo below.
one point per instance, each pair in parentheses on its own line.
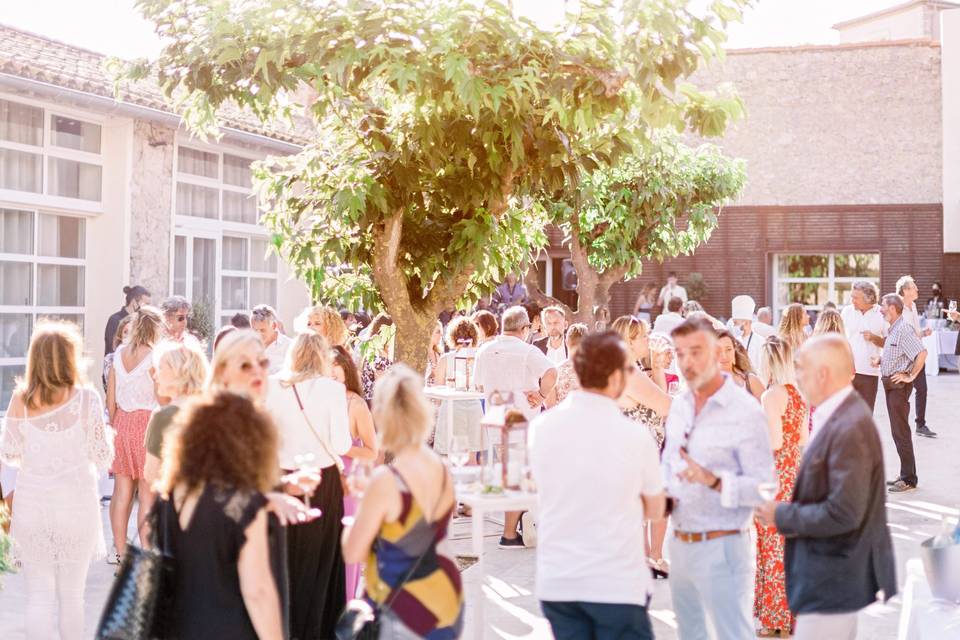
(838,554)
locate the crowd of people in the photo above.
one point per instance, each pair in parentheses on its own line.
(753,444)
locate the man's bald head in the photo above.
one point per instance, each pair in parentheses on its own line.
(824,366)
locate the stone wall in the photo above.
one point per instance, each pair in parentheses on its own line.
(150,223)
(847,124)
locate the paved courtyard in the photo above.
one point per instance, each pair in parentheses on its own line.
(509,609)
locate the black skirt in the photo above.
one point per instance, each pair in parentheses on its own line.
(317,578)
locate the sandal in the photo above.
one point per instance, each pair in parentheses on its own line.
(773,633)
(659,568)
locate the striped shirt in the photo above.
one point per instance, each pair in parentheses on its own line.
(901,349)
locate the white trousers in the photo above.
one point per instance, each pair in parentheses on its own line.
(51,586)
(820,626)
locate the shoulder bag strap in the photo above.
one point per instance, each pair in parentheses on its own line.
(323,443)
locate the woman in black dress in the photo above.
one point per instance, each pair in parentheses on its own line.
(219,461)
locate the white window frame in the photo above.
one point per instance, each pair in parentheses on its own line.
(35,260)
(47,150)
(830,279)
(215,228)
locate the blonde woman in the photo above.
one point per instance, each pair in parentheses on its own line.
(403,519)
(54,432)
(829,321)
(240,364)
(131,399)
(324,320)
(180,371)
(793,325)
(309,409)
(787,421)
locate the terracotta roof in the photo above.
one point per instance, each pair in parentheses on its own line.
(34,57)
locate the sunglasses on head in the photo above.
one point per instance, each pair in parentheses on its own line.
(263,363)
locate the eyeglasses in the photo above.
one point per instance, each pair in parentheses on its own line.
(247,367)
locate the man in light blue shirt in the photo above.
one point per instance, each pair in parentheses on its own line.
(717,454)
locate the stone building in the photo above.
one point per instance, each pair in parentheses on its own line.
(98,193)
(853,166)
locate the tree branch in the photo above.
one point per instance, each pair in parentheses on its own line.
(542,299)
(390,280)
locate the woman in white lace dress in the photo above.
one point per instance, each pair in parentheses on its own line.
(54,432)
(131,399)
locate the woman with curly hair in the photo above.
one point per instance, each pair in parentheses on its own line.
(462,338)
(829,321)
(793,325)
(326,321)
(218,463)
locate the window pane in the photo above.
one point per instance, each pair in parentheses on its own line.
(239,207)
(16,231)
(73,179)
(16,283)
(236,171)
(61,236)
(14,335)
(260,259)
(59,286)
(20,123)
(198,163)
(8,382)
(193,200)
(204,270)
(180,266)
(234,292)
(263,291)
(857,265)
(20,171)
(806,293)
(234,253)
(803,266)
(75,134)
(75,318)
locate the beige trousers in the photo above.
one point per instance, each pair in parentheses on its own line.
(820,626)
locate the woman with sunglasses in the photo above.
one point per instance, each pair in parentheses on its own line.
(645,401)
(309,409)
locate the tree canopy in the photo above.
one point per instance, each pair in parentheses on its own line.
(436,123)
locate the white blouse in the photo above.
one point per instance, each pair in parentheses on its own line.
(134,388)
(325,403)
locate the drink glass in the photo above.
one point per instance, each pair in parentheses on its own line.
(768,490)
(953,305)
(306,468)
(359,477)
(673,388)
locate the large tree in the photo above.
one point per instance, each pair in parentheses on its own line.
(434,119)
(660,202)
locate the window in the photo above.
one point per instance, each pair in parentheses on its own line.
(42,275)
(216,186)
(49,153)
(815,279)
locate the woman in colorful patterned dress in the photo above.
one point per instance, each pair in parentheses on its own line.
(401,525)
(787,419)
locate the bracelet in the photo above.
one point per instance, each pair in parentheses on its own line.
(716,483)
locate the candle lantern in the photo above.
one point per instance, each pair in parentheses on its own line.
(505,442)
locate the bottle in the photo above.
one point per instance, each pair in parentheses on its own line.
(946,537)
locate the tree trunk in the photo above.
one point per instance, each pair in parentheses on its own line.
(412,340)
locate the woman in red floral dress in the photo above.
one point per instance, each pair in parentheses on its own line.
(787,420)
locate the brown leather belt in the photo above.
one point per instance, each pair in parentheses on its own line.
(702,536)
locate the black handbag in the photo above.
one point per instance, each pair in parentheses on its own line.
(138,607)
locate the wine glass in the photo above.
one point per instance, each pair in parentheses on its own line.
(953,305)
(359,477)
(673,388)
(306,472)
(459,451)
(768,490)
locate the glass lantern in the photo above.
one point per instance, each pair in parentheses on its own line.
(505,443)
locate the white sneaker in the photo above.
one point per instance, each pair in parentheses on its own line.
(113,557)
(528,528)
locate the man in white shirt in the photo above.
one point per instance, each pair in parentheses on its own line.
(263,320)
(508,364)
(554,323)
(671,290)
(865,329)
(666,322)
(907,289)
(589,589)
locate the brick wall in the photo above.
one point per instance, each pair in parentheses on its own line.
(737,258)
